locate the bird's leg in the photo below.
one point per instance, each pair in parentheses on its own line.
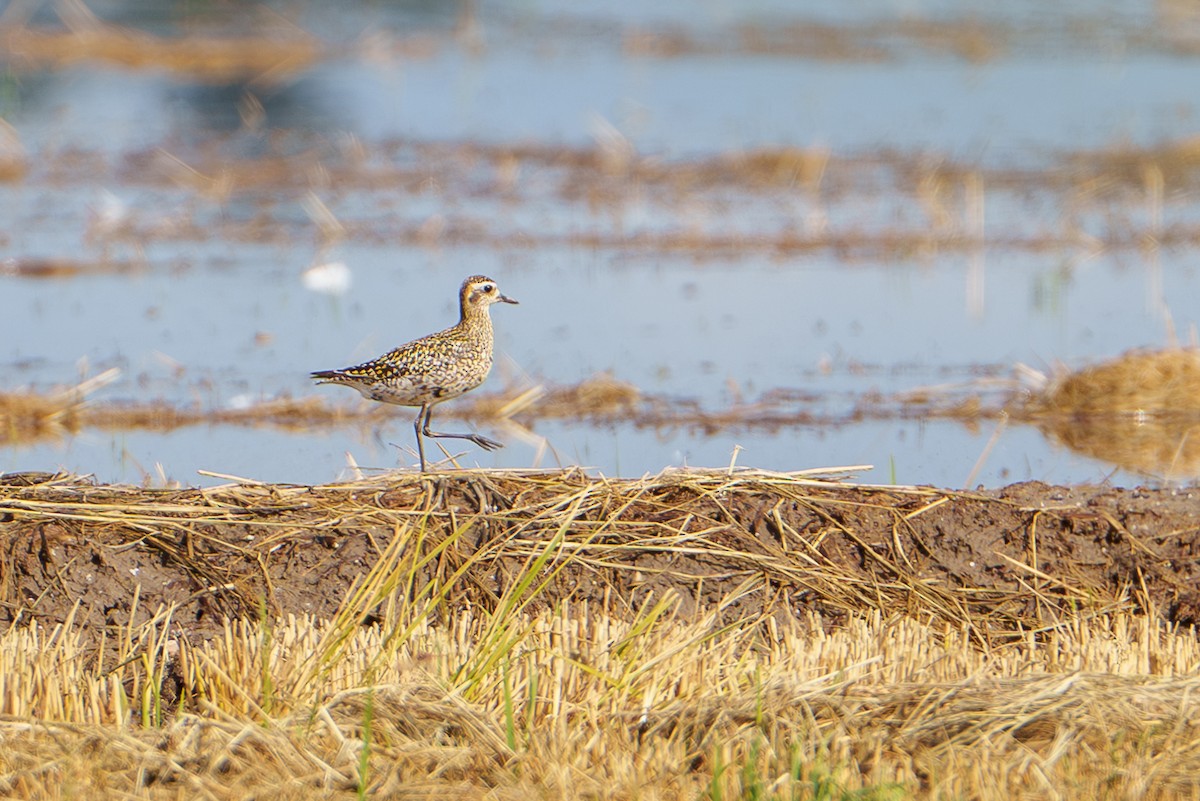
(481,441)
(425,409)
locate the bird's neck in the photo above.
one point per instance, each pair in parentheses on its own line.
(475,318)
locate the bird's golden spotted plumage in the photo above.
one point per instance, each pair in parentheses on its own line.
(434,368)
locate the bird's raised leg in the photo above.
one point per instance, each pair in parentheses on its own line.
(481,441)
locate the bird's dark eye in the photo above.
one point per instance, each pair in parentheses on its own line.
(488,288)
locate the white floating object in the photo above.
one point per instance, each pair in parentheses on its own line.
(328,279)
(241,402)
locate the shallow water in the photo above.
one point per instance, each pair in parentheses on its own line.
(192,286)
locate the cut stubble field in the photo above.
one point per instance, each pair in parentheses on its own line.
(518,634)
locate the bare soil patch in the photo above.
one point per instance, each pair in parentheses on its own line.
(755,545)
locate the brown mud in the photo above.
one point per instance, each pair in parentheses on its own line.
(756,545)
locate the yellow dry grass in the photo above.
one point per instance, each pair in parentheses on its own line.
(969,37)
(29,416)
(572,704)
(939,201)
(1139,411)
(455,666)
(1138,382)
(262,60)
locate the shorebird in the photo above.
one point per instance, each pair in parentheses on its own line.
(434,368)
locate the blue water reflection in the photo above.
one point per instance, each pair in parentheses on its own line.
(211,309)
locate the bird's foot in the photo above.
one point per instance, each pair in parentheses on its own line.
(485,443)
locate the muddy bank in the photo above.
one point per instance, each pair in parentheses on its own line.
(752,544)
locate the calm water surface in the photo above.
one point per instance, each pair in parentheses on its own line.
(220,318)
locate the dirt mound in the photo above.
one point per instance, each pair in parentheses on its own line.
(753,544)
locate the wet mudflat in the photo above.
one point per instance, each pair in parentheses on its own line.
(1006,561)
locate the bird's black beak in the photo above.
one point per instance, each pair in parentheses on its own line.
(507,299)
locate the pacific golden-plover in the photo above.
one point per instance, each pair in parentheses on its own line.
(435,368)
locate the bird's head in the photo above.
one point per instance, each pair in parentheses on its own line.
(479,292)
